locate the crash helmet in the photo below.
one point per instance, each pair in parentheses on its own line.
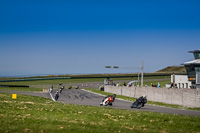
(114,95)
(144,96)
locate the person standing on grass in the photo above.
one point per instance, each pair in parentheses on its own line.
(158,85)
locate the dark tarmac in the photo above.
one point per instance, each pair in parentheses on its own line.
(83,97)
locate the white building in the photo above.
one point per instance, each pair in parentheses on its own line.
(192,79)
(181,81)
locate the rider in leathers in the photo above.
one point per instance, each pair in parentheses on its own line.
(143,99)
(109,96)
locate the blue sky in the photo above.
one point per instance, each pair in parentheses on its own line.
(71,37)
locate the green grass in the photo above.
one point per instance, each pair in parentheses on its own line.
(35,114)
(32,89)
(50,82)
(171,69)
(71,81)
(149,102)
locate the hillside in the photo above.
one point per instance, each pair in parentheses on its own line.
(171,69)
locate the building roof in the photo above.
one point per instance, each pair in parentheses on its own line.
(194,51)
(197,62)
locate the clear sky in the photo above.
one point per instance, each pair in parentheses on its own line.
(83,36)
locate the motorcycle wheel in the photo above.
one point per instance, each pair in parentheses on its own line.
(139,105)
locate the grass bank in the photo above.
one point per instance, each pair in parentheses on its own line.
(77,80)
(31,89)
(35,114)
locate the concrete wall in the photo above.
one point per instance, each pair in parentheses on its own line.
(185,97)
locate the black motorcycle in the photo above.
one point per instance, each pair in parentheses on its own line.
(139,103)
(56,96)
(61,89)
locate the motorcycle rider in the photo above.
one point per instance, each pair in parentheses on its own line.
(111,99)
(56,95)
(77,87)
(70,87)
(143,99)
(62,88)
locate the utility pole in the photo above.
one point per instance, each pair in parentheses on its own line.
(173,80)
(138,75)
(142,68)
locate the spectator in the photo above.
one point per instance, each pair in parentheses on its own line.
(130,85)
(152,85)
(158,85)
(171,85)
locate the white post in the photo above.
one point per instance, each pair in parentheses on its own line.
(138,76)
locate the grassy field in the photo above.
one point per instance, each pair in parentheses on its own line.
(35,114)
(32,89)
(175,69)
(82,80)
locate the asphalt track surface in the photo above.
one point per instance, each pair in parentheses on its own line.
(83,97)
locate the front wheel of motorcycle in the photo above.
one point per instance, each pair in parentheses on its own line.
(139,105)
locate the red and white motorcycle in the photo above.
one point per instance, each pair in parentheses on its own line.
(107,101)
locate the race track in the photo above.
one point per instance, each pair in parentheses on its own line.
(83,97)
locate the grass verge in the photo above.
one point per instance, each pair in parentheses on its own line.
(36,114)
(71,81)
(32,89)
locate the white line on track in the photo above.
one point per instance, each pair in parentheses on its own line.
(51,96)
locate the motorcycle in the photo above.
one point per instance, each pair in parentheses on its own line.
(56,96)
(61,89)
(139,103)
(107,101)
